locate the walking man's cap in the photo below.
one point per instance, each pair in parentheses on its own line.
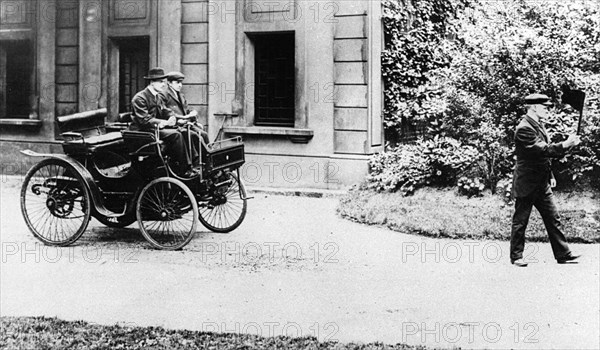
(538,99)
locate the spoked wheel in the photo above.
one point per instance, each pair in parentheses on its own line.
(167,213)
(226,209)
(55,202)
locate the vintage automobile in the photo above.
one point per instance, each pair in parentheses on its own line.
(123,176)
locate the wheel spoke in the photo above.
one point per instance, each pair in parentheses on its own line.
(173,213)
(60,212)
(226,211)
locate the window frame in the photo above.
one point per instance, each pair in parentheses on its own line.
(262,42)
(23,31)
(13,62)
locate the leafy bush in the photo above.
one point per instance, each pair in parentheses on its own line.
(438,161)
(404,168)
(447,158)
(415,45)
(470,187)
(510,49)
(467,120)
(496,157)
(463,74)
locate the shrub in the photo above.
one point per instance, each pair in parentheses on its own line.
(510,49)
(448,158)
(415,45)
(470,187)
(496,159)
(405,168)
(463,74)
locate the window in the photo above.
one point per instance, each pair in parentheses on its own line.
(275,79)
(16,79)
(134,62)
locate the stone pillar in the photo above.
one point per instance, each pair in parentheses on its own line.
(90,55)
(375,82)
(169,35)
(221,68)
(46,34)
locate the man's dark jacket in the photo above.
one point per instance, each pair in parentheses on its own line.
(148,110)
(176,102)
(533,151)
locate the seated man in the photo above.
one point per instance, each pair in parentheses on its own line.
(175,101)
(149,112)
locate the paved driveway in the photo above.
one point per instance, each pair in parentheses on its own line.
(295,268)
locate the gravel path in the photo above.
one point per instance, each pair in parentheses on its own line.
(295,268)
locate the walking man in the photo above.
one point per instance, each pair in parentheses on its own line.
(533,180)
(150,112)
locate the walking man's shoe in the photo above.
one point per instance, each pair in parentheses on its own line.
(568,259)
(519,263)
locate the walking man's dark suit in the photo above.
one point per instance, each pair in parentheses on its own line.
(533,181)
(149,112)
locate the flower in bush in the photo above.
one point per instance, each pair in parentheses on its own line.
(470,187)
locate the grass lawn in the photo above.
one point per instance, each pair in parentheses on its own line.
(52,333)
(442,213)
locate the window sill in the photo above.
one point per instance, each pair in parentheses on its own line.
(293,134)
(21,122)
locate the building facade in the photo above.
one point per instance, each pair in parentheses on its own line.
(303,77)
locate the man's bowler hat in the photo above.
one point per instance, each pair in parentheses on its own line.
(155,74)
(538,99)
(171,76)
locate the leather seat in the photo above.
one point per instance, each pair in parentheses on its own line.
(92,143)
(99,139)
(140,142)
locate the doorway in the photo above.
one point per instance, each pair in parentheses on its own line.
(134,62)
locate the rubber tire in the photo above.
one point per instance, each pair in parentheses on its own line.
(194,210)
(240,219)
(86,202)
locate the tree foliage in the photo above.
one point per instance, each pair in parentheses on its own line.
(415,45)
(513,48)
(461,69)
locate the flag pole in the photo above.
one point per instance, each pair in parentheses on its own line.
(579,123)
